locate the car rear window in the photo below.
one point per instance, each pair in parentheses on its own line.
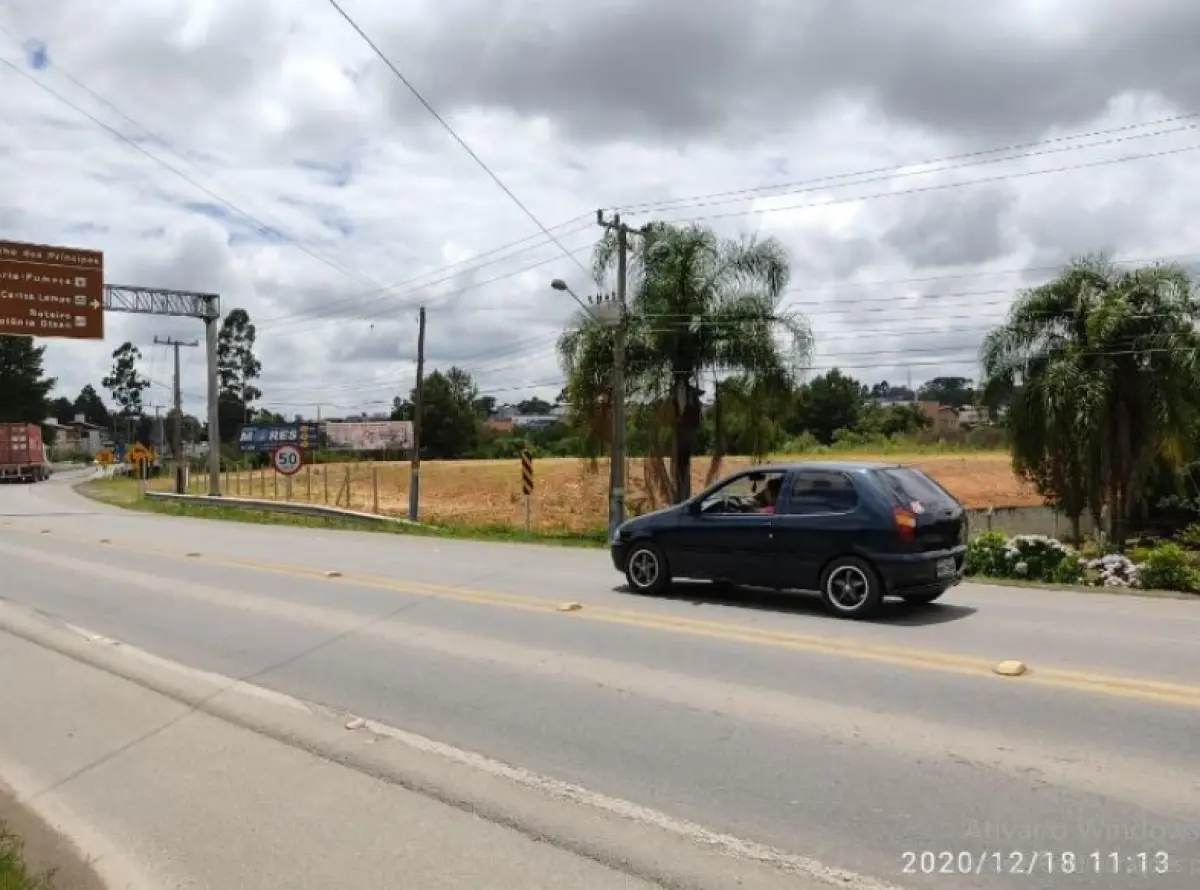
(911,486)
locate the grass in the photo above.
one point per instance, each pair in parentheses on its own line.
(569,493)
(125,493)
(13,875)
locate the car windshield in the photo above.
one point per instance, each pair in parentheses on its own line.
(915,490)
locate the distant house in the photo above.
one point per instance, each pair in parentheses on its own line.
(77,436)
(534,421)
(973,415)
(944,418)
(499,425)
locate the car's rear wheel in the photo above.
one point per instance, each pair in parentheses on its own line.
(646,569)
(850,588)
(920,599)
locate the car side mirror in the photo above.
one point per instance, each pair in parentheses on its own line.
(694,507)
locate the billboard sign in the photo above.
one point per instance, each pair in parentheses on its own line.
(269,436)
(48,291)
(385,435)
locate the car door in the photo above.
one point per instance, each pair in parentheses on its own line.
(816,521)
(726,545)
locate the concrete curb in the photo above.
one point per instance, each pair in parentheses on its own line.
(44,848)
(292,507)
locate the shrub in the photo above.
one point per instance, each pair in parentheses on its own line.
(1041,558)
(1167,567)
(1113,570)
(1190,536)
(986,555)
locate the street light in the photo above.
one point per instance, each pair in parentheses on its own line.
(610,312)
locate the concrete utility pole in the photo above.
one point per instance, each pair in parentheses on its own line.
(616,478)
(414,476)
(212,322)
(177,427)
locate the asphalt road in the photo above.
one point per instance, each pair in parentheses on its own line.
(888,748)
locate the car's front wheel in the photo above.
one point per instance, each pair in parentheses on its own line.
(921,599)
(646,569)
(850,588)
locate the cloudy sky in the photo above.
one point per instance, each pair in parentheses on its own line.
(922,161)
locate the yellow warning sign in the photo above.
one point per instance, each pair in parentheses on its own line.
(104,457)
(139,453)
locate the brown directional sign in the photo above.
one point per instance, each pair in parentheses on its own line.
(48,291)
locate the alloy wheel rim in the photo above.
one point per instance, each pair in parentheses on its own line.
(643,568)
(848,588)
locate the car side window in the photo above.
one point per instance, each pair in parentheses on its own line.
(821,491)
(752,493)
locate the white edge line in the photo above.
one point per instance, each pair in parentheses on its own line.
(726,844)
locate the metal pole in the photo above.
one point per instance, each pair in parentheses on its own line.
(177,427)
(211,323)
(414,476)
(616,479)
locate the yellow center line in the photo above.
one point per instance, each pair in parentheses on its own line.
(1148,690)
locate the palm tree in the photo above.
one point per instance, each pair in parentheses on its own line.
(700,306)
(1102,366)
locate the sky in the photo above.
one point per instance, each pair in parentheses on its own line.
(922,162)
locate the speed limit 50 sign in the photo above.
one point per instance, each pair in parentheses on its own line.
(286,460)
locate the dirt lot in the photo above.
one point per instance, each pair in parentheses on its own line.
(570,493)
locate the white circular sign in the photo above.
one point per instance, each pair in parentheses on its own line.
(287,460)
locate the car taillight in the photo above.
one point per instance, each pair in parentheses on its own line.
(906,523)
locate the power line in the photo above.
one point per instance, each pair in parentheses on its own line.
(1020,174)
(244,214)
(377,288)
(884,173)
(449,129)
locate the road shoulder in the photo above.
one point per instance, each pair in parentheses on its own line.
(165,760)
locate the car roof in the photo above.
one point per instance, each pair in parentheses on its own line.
(843,466)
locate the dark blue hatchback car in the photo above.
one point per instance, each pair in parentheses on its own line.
(854,532)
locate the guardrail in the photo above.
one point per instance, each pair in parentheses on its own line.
(272,506)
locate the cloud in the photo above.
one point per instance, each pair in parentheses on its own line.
(260,150)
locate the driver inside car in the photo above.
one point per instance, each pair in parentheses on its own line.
(765,499)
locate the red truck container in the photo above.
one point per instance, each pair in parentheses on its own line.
(22,454)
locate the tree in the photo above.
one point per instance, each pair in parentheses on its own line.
(956,392)
(124,380)
(24,388)
(831,402)
(534,406)
(884,390)
(62,409)
(449,420)
(699,305)
(92,407)
(1102,372)
(237,369)
(485,407)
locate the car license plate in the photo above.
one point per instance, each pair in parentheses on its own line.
(945,568)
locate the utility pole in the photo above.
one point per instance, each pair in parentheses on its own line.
(414,476)
(158,429)
(177,427)
(616,476)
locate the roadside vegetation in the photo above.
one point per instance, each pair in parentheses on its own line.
(13,875)
(1166,565)
(126,493)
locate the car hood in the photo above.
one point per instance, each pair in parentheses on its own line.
(654,519)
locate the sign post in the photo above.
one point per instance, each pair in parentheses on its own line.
(527,482)
(48,291)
